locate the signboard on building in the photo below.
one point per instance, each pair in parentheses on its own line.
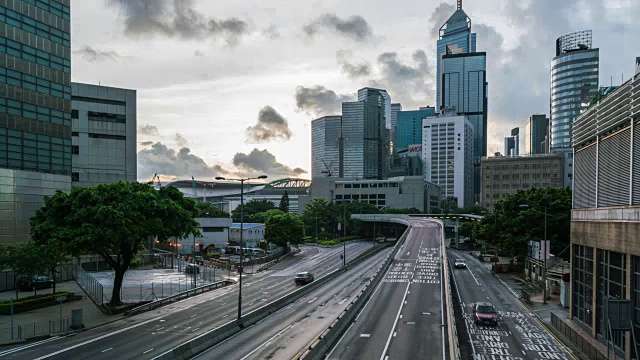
(537,249)
(638,65)
(415,150)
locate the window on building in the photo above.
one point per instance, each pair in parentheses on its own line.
(612,276)
(74,114)
(75,176)
(209,229)
(75,149)
(583,283)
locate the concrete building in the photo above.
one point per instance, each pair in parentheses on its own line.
(252,233)
(506,175)
(410,126)
(215,231)
(605,220)
(408,162)
(103,135)
(326,146)
(365,128)
(447,156)
(537,134)
(35,111)
(512,143)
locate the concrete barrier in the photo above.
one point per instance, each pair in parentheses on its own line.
(219,334)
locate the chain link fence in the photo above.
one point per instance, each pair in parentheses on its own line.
(41,328)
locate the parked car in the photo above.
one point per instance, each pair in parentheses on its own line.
(191,268)
(303,278)
(459,264)
(485,313)
(35,283)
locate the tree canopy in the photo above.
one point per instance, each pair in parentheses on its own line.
(321,216)
(208,210)
(114,221)
(251,210)
(284,202)
(284,228)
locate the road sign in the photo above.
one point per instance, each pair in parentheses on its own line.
(339,226)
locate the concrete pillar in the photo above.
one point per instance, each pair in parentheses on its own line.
(595,292)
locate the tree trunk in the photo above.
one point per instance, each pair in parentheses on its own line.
(117,286)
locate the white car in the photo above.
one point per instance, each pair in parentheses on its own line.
(459,264)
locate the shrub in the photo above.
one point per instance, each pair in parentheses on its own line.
(28,302)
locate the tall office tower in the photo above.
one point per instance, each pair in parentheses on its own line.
(365,128)
(512,143)
(574,83)
(103,135)
(35,110)
(395,108)
(410,126)
(536,134)
(447,156)
(326,154)
(455,38)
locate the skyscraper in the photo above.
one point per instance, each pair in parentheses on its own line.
(512,143)
(35,110)
(395,108)
(410,126)
(455,37)
(326,157)
(536,134)
(365,128)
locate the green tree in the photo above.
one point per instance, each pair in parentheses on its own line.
(284,228)
(208,210)
(26,259)
(114,221)
(263,216)
(322,216)
(284,202)
(251,209)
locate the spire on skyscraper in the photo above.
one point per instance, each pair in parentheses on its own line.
(459,4)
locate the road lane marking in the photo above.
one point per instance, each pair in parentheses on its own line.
(312,300)
(267,342)
(474,277)
(105,350)
(386,347)
(10,351)
(394,334)
(365,335)
(225,315)
(148,351)
(193,316)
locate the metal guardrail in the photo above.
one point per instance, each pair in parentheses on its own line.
(185,294)
(40,328)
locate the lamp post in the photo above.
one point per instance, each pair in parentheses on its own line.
(544,255)
(240,269)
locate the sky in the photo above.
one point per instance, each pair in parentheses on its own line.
(229,88)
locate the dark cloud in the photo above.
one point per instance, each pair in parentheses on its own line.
(177,18)
(270,126)
(318,100)
(439,16)
(259,162)
(355,27)
(150,130)
(180,140)
(352,70)
(92,54)
(163,160)
(272,32)
(146,143)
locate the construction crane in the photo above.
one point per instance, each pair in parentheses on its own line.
(328,168)
(154,179)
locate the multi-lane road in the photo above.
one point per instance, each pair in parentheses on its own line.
(150,334)
(519,335)
(404,318)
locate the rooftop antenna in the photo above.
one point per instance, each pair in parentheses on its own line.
(459,4)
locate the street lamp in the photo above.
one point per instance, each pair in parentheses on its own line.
(544,255)
(240,269)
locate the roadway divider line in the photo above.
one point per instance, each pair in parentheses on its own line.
(454,346)
(210,338)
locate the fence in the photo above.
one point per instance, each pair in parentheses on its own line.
(572,336)
(91,286)
(63,273)
(26,331)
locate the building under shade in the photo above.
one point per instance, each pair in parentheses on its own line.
(537,134)
(410,126)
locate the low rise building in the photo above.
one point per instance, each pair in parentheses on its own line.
(214,231)
(252,233)
(505,175)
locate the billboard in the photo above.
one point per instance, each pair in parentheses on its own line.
(415,150)
(539,247)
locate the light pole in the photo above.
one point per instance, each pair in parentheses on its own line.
(240,269)
(544,255)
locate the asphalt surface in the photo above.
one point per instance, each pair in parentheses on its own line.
(404,317)
(519,335)
(150,334)
(285,333)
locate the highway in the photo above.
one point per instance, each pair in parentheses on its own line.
(150,334)
(518,336)
(284,333)
(404,316)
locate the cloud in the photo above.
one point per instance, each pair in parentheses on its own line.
(439,16)
(270,126)
(92,54)
(319,101)
(146,143)
(177,19)
(272,32)
(355,27)
(163,160)
(150,130)
(352,70)
(180,140)
(198,53)
(259,162)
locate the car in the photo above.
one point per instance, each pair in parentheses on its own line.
(304,277)
(35,283)
(459,264)
(191,268)
(485,313)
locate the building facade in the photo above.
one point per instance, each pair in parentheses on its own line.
(395,109)
(252,233)
(104,136)
(35,110)
(605,220)
(537,134)
(512,143)
(214,231)
(506,175)
(410,126)
(326,144)
(447,156)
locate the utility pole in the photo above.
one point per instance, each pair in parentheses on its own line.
(193,256)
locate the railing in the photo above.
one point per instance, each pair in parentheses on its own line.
(185,294)
(41,328)
(576,339)
(91,286)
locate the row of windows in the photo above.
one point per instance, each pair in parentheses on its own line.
(574,56)
(34,55)
(39,113)
(37,28)
(579,85)
(96,116)
(34,84)
(52,6)
(573,66)
(361,196)
(366,186)
(28,151)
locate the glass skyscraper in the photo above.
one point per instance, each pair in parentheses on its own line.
(574,82)
(536,134)
(410,126)
(35,109)
(326,154)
